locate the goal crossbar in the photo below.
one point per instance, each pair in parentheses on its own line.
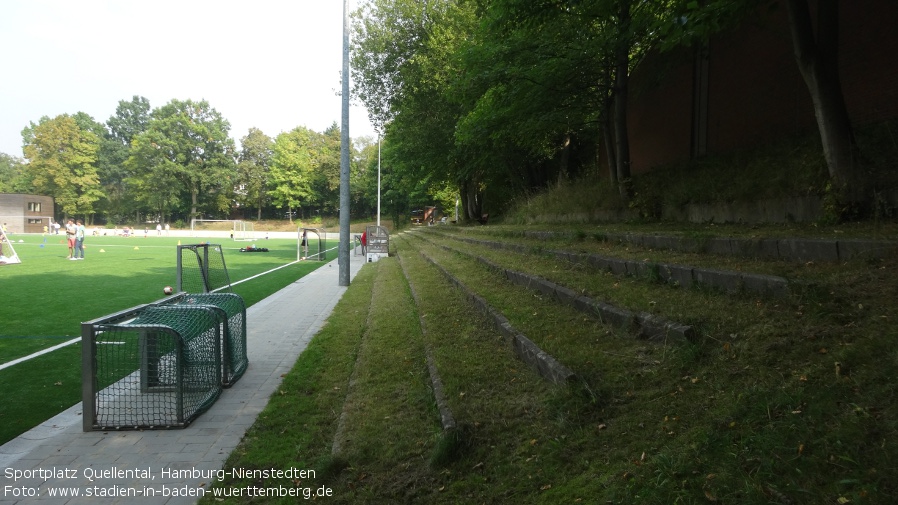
(241,231)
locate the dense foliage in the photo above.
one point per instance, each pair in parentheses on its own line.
(177,162)
(492,99)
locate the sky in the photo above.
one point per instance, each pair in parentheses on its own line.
(268,64)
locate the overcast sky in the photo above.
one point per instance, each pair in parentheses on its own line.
(269,64)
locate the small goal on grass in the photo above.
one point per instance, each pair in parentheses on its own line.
(201,269)
(8,254)
(311,244)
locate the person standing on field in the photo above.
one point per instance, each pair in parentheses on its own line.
(79,240)
(305,245)
(70,237)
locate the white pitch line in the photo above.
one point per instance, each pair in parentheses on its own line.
(39,353)
(70,342)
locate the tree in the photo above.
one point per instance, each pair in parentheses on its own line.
(325,150)
(253,167)
(62,164)
(187,142)
(818,61)
(405,70)
(131,118)
(291,169)
(816,54)
(569,74)
(12,178)
(363,177)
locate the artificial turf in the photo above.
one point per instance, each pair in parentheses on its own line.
(47,296)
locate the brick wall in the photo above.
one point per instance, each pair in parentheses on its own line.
(755,91)
(15,213)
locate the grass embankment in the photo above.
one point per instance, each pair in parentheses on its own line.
(776,400)
(792,167)
(47,297)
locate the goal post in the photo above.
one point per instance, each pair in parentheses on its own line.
(311,244)
(201,269)
(241,231)
(244,231)
(8,254)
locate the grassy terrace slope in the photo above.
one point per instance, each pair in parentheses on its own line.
(781,400)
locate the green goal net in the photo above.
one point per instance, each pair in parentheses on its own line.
(162,364)
(201,268)
(152,367)
(232,314)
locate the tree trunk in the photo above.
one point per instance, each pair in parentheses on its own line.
(817,59)
(608,135)
(471,200)
(564,159)
(621,85)
(193,199)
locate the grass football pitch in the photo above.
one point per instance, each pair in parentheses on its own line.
(46,297)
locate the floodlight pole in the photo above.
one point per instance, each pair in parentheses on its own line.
(343,250)
(378,179)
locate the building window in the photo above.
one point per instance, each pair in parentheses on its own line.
(35,221)
(34,206)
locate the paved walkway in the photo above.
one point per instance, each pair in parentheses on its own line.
(173,466)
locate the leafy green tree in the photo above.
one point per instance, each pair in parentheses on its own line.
(131,118)
(12,175)
(253,167)
(565,75)
(292,170)
(187,142)
(406,71)
(325,150)
(363,177)
(62,164)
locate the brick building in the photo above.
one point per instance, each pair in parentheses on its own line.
(22,213)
